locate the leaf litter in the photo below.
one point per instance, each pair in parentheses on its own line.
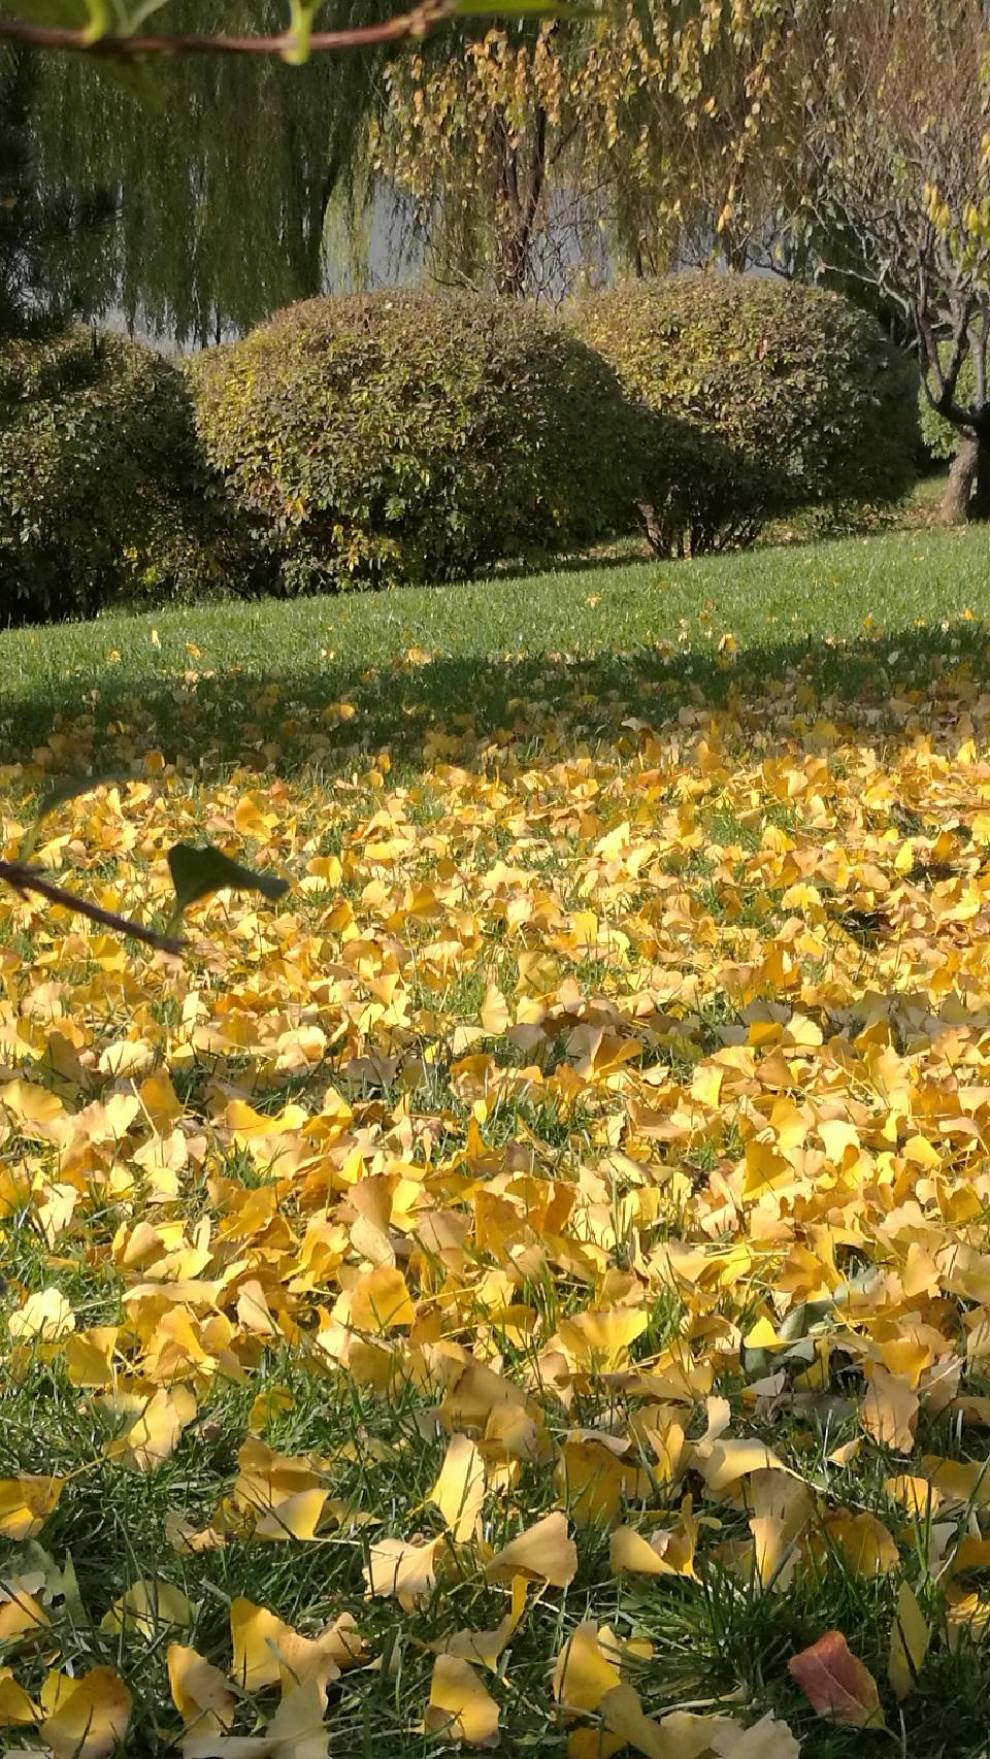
(551,1219)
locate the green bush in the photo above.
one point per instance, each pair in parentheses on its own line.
(103,495)
(405,436)
(770,396)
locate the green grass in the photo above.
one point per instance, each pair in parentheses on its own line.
(480,650)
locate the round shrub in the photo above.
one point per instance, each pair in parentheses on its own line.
(103,494)
(770,396)
(407,436)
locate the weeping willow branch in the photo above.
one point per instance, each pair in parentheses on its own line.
(415,24)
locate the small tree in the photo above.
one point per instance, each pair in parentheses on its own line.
(896,142)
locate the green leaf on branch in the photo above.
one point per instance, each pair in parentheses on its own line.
(302,14)
(198,872)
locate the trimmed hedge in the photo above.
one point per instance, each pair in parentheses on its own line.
(103,495)
(405,436)
(770,396)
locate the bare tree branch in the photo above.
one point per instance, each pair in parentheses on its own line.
(25,878)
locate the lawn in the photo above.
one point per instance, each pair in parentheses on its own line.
(532,1283)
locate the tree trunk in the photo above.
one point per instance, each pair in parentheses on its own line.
(520,180)
(962,476)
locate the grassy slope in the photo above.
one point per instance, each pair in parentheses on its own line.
(484,638)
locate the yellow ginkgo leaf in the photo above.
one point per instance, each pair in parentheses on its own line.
(668,1552)
(586,1670)
(89,1356)
(45,1318)
(200,1692)
(889,1411)
(155,1432)
(591,1478)
(725,1462)
(297,1731)
(25,1504)
(460,1708)
(16,1708)
(782,1507)
(380,1301)
(403,1569)
(544,1553)
(147,1606)
(623,1715)
(39,1113)
(295,1517)
(267,1651)
(865,1545)
(20,1613)
(909,1639)
(494,1014)
(601,1340)
(459,1491)
(85,1718)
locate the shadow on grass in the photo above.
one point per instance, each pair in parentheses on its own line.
(281,712)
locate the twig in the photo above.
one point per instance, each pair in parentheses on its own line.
(415,24)
(25,878)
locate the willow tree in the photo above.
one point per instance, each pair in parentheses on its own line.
(48,239)
(896,143)
(697,101)
(651,129)
(218,187)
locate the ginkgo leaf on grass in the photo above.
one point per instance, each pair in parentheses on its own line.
(909,1640)
(154,1434)
(836,1682)
(297,1730)
(889,1412)
(402,1568)
(667,1552)
(45,1318)
(459,1492)
(200,1692)
(85,1717)
(543,1553)
(21,1614)
(586,1669)
(460,1707)
(17,1708)
(26,1503)
(267,1651)
(146,1607)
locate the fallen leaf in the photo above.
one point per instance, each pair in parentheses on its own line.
(199,1691)
(543,1553)
(460,1709)
(909,1639)
(836,1683)
(85,1718)
(459,1492)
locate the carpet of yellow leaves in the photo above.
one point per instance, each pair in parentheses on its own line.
(621,1112)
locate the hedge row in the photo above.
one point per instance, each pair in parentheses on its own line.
(397,437)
